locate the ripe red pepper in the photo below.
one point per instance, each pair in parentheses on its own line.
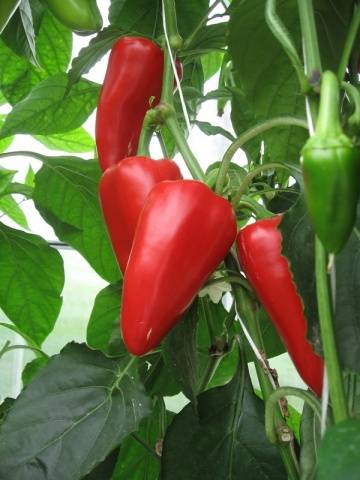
(132,85)
(123,190)
(259,252)
(183,233)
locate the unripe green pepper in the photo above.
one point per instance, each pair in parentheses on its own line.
(7,9)
(331,168)
(81,16)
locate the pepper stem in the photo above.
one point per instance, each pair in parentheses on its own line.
(328,122)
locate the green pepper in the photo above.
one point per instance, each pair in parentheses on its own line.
(81,16)
(7,9)
(331,168)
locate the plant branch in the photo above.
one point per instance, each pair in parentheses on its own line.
(337,394)
(249,135)
(199,26)
(183,147)
(272,404)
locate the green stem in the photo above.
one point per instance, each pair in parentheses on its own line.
(146,136)
(175,39)
(167,94)
(249,135)
(337,394)
(283,36)
(181,143)
(310,39)
(354,95)
(7,348)
(251,175)
(272,404)
(229,279)
(162,145)
(190,38)
(349,42)
(328,122)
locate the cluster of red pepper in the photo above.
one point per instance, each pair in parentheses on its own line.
(170,234)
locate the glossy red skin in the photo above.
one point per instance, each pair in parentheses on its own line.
(123,189)
(259,251)
(184,232)
(133,77)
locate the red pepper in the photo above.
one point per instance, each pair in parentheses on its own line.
(123,190)
(183,233)
(132,85)
(259,251)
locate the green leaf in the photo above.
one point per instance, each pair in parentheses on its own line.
(310,441)
(144,16)
(17,76)
(30,177)
(5,142)
(105,319)
(5,408)
(347,306)
(180,355)
(75,411)
(210,129)
(66,195)
(32,368)
(54,45)
(298,248)
(339,455)
(105,469)
(31,282)
(10,207)
(157,377)
(266,79)
(135,462)
(226,439)
(209,37)
(76,141)
(45,110)
(20,32)
(93,52)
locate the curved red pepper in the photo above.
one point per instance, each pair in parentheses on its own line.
(123,190)
(132,85)
(183,233)
(259,251)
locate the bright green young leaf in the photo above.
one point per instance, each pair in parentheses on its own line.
(76,141)
(66,195)
(225,439)
(11,208)
(17,76)
(30,177)
(211,63)
(134,461)
(339,455)
(31,282)
(53,45)
(104,321)
(45,110)
(5,178)
(5,142)
(77,409)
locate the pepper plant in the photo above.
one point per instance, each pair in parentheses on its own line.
(206,276)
